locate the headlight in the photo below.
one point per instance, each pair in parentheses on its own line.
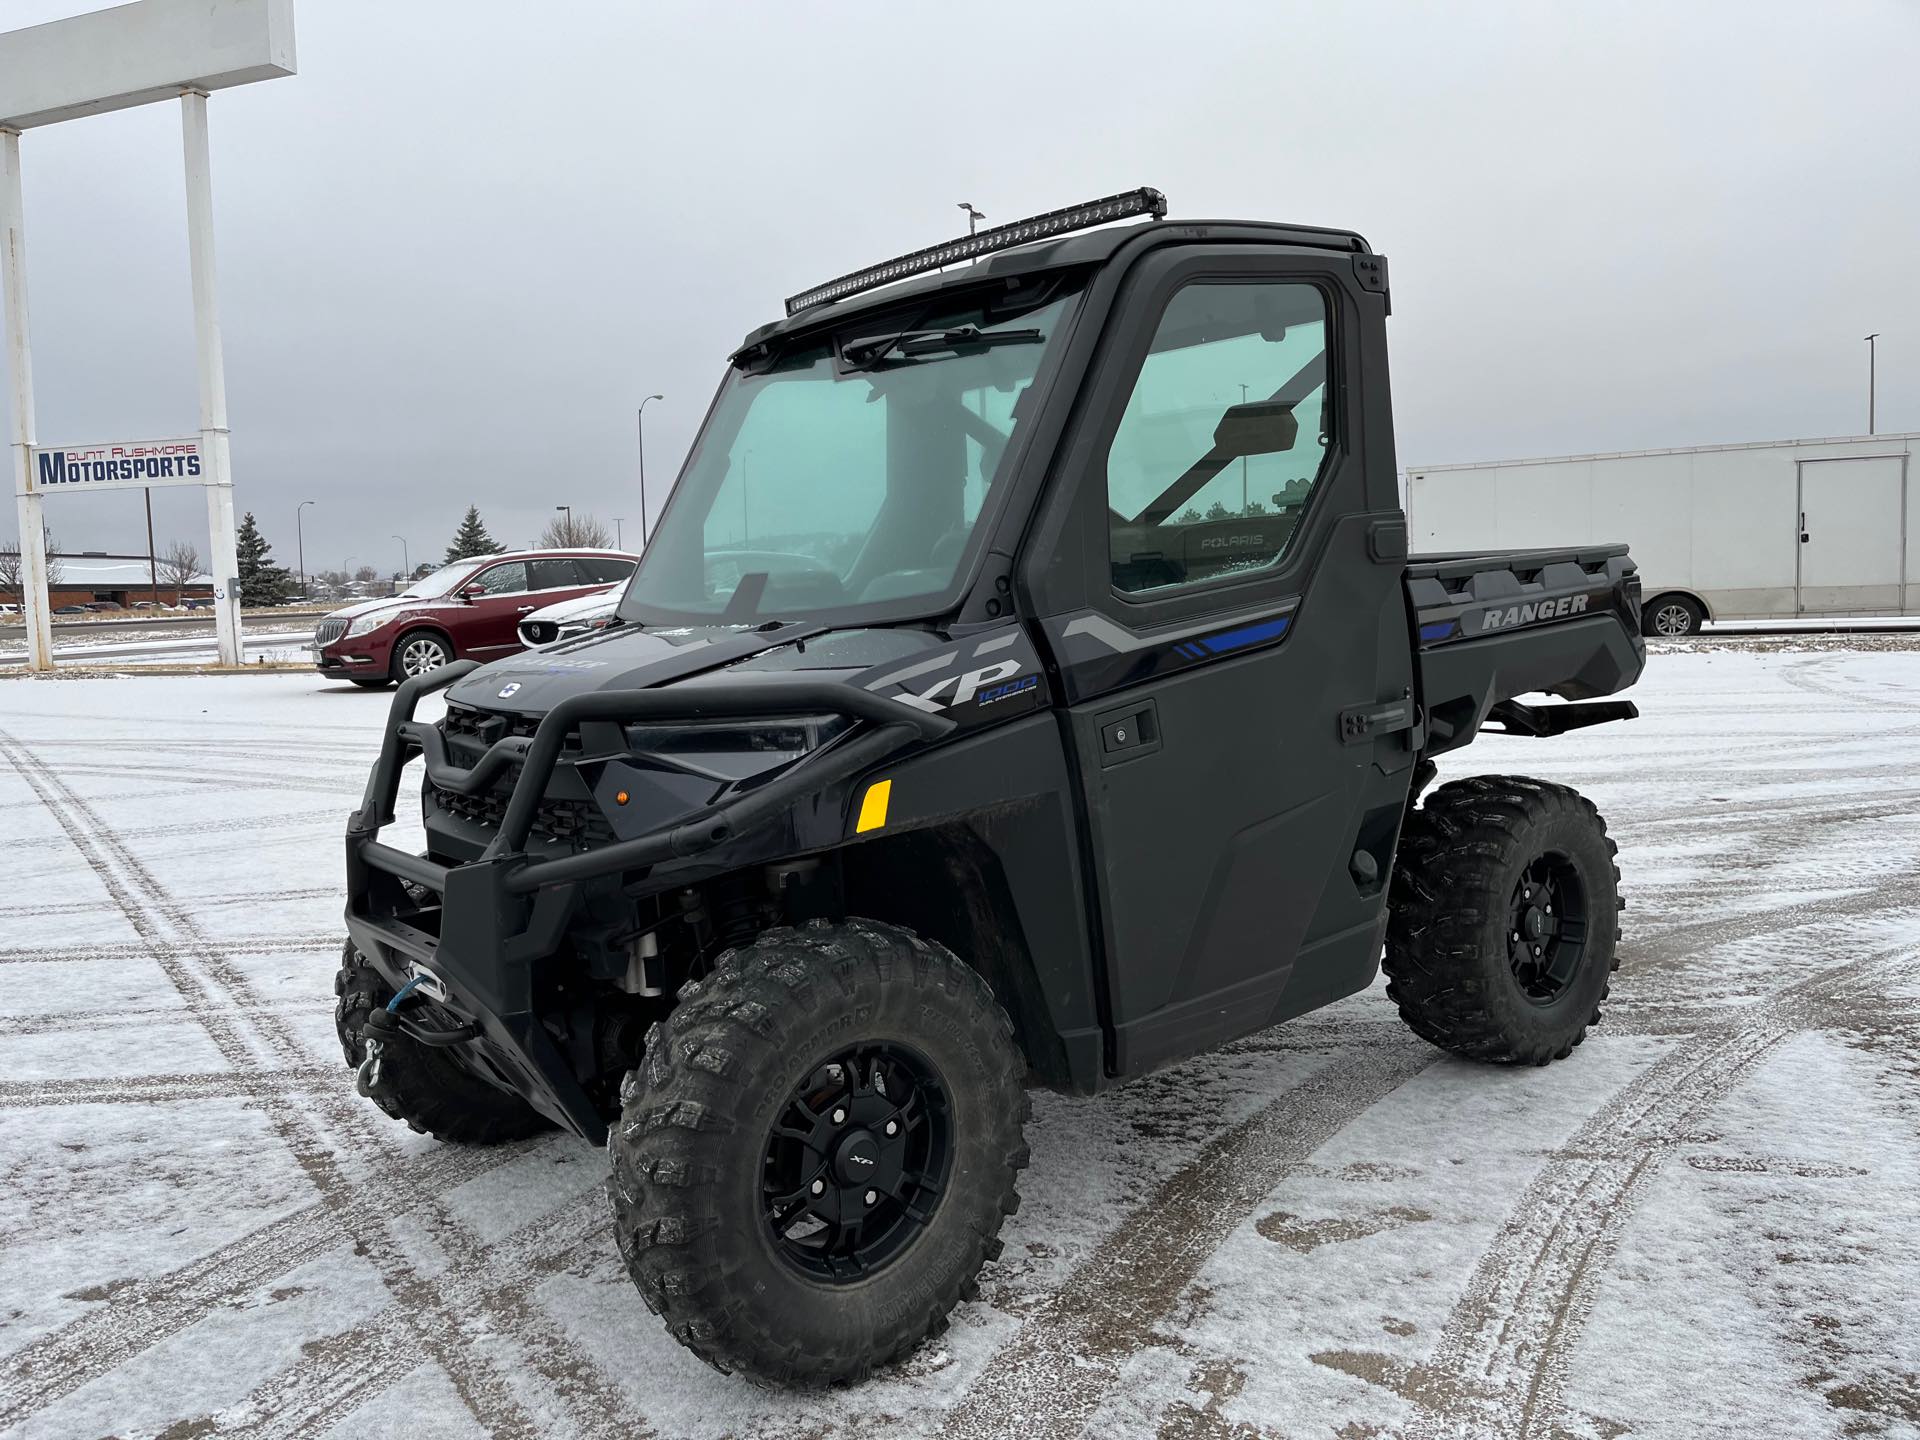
(366,624)
(736,749)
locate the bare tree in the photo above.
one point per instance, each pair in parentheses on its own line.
(10,564)
(366,574)
(180,565)
(570,531)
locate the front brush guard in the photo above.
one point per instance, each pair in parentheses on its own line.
(504,912)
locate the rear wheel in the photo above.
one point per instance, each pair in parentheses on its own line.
(1671,616)
(423,1086)
(1504,919)
(418,652)
(815,1159)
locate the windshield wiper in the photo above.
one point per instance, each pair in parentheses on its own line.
(871,350)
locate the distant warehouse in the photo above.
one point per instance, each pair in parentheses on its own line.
(1775,530)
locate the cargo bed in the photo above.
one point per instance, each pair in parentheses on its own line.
(1498,624)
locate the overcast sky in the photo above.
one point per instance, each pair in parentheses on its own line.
(458,247)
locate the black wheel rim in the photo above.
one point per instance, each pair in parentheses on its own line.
(1547,928)
(857,1162)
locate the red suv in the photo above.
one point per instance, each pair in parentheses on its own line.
(466,610)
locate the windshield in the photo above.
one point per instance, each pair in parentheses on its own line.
(440,582)
(842,481)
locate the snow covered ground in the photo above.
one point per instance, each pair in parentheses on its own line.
(261,638)
(1705,1223)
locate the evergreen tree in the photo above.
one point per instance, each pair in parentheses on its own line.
(471,539)
(261,581)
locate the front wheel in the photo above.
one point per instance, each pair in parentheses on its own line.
(815,1159)
(419,652)
(1504,919)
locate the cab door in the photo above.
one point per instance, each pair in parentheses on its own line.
(1219,579)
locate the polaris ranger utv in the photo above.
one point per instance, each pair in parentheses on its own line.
(1028,684)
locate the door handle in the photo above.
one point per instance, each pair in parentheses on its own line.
(1125,733)
(524,610)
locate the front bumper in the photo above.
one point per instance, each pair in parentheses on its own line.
(336,662)
(480,929)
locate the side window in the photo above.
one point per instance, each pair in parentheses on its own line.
(1224,436)
(507,579)
(553,574)
(602,570)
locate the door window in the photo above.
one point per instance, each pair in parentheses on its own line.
(507,579)
(1223,439)
(602,570)
(553,574)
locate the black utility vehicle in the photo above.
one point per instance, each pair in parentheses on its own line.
(1028,685)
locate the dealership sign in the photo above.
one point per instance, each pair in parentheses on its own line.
(116,465)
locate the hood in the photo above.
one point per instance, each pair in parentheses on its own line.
(629,658)
(581,607)
(394,603)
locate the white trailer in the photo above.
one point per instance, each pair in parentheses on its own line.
(1776,530)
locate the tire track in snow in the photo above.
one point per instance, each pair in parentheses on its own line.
(483,1386)
(1062,1362)
(140,1313)
(200,989)
(1811,676)
(126,950)
(225,901)
(1664,943)
(1500,1365)
(341,1373)
(149,1089)
(65,1021)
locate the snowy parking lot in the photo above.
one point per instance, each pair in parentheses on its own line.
(1706,1222)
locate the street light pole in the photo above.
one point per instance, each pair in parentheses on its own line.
(618,542)
(640,426)
(1871,358)
(406,559)
(153,561)
(974,217)
(300,542)
(566,535)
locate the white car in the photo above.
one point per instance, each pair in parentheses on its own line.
(568,618)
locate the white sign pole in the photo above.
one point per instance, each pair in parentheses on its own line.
(225,561)
(13,280)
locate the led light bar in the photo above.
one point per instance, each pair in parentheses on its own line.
(970,247)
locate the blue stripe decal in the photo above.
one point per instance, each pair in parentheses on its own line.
(1247,635)
(1439,630)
